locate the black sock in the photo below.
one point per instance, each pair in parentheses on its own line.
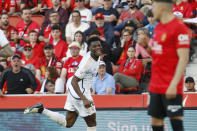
(177,125)
(157,128)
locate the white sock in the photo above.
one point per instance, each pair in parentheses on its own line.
(91,128)
(55,116)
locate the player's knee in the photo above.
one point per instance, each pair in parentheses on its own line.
(69,125)
(157,121)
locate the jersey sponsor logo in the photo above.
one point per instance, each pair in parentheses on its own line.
(157,48)
(183,39)
(174,108)
(21,79)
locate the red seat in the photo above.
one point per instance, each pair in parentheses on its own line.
(13,19)
(125,90)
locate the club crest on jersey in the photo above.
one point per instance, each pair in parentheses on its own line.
(163,37)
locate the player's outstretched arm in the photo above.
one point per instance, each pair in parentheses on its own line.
(76,87)
(183,54)
(6,51)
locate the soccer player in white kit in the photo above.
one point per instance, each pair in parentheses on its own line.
(79,100)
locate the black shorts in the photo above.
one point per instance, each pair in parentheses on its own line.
(161,107)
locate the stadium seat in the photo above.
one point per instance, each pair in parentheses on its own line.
(13,19)
(38,18)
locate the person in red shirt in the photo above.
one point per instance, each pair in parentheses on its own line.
(182,9)
(59,45)
(9,6)
(170,54)
(34,5)
(28,56)
(127,41)
(36,46)
(26,25)
(72,62)
(48,60)
(5,26)
(130,70)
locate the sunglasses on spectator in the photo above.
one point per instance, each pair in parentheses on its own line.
(107,0)
(27,49)
(78,0)
(130,1)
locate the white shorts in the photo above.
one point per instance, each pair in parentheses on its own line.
(73,104)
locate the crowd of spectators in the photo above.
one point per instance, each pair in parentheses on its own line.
(47,55)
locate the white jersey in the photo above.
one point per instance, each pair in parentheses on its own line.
(87,71)
(3,39)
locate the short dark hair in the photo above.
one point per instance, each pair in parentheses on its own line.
(33,31)
(149,13)
(4,13)
(95,32)
(26,8)
(76,11)
(55,27)
(92,40)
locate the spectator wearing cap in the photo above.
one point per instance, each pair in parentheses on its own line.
(104,83)
(49,59)
(146,6)
(86,14)
(63,13)
(45,32)
(72,62)
(132,13)
(19,80)
(9,6)
(74,26)
(110,14)
(105,28)
(190,84)
(35,44)
(26,25)
(60,46)
(28,57)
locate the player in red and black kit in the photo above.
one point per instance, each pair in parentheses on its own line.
(170,54)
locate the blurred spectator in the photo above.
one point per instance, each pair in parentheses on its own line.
(47,4)
(104,83)
(5,26)
(142,46)
(127,41)
(105,28)
(63,13)
(9,6)
(71,64)
(51,73)
(59,45)
(110,14)
(1,70)
(193,4)
(26,25)
(36,45)
(146,6)
(6,50)
(74,26)
(86,14)
(34,5)
(111,55)
(33,70)
(182,9)
(130,70)
(19,80)
(119,8)
(47,61)
(152,23)
(49,87)
(190,84)
(4,63)
(96,3)
(79,37)
(28,56)
(45,32)
(133,12)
